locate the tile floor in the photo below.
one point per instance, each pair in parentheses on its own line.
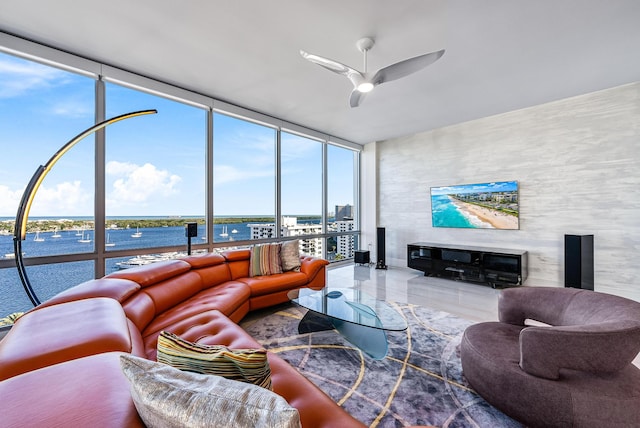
(474,302)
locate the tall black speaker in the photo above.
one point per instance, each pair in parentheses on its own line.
(191,230)
(578,261)
(380,254)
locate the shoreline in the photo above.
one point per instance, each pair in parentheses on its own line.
(64,224)
(494,219)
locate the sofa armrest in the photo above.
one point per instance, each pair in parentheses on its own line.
(90,391)
(597,348)
(62,332)
(310,266)
(545,304)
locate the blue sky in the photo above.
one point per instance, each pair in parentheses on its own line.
(496,186)
(156,163)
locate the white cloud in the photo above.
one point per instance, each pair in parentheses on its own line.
(66,198)
(19,77)
(134,184)
(9,200)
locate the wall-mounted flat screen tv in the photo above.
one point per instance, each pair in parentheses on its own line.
(476,206)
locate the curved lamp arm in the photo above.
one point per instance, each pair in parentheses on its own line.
(20,229)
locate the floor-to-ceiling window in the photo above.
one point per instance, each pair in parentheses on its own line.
(244,179)
(301,191)
(121,198)
(155,173)
(41,108)
(341,208)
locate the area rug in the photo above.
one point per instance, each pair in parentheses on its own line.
(419,382)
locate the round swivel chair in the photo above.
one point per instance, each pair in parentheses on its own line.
(574,371)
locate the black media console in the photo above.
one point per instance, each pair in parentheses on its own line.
(491,266)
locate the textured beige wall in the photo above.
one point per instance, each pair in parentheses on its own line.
(578,165)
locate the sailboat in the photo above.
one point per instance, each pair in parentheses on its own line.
(224,233)
(138,234)
(108,243)
(85,240)
(37,238)
(56,234)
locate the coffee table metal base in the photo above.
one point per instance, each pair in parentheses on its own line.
(372,341)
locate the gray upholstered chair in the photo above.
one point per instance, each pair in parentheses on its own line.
(575,372)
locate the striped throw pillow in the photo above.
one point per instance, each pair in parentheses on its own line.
(265,260)
(244,365)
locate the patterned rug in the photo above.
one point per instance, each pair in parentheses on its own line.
(419,382)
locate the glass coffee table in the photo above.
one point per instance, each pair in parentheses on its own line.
(358,317)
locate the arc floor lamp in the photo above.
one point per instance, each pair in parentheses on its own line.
(20,230)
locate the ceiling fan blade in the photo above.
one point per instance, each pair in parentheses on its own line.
(406,67)
(356,98)
(330,64)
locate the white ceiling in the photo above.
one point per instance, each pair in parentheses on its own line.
(501,55)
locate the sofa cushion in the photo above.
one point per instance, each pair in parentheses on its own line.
(265,260)
(238,263)
(290,255)
(226,298)
(204,260)
(31,345)
(115,288)
(167,397)
(140,309)
(210,328)
(243,365)
(236,255)
(169,293)
(213,275)
(153,273)
(261,285)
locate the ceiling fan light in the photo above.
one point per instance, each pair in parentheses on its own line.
(365,87)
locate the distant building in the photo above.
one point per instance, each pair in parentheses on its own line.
(291,227)
(344,212)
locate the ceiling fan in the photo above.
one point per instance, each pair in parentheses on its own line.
(364,82)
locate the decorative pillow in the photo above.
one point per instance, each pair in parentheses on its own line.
(244,365)
(290,256)
(265,260)
(167,397)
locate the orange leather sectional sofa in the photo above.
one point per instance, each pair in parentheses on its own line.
(59,364)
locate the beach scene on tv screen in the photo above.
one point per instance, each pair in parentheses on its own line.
(477,206)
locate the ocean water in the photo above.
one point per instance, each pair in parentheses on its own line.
(446,214)
(49,280)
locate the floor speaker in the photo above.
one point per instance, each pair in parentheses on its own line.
(191,230)
(578,261)
(380,254)
(361,257)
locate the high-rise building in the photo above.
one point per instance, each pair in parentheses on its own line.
(345,243)
(291,227)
